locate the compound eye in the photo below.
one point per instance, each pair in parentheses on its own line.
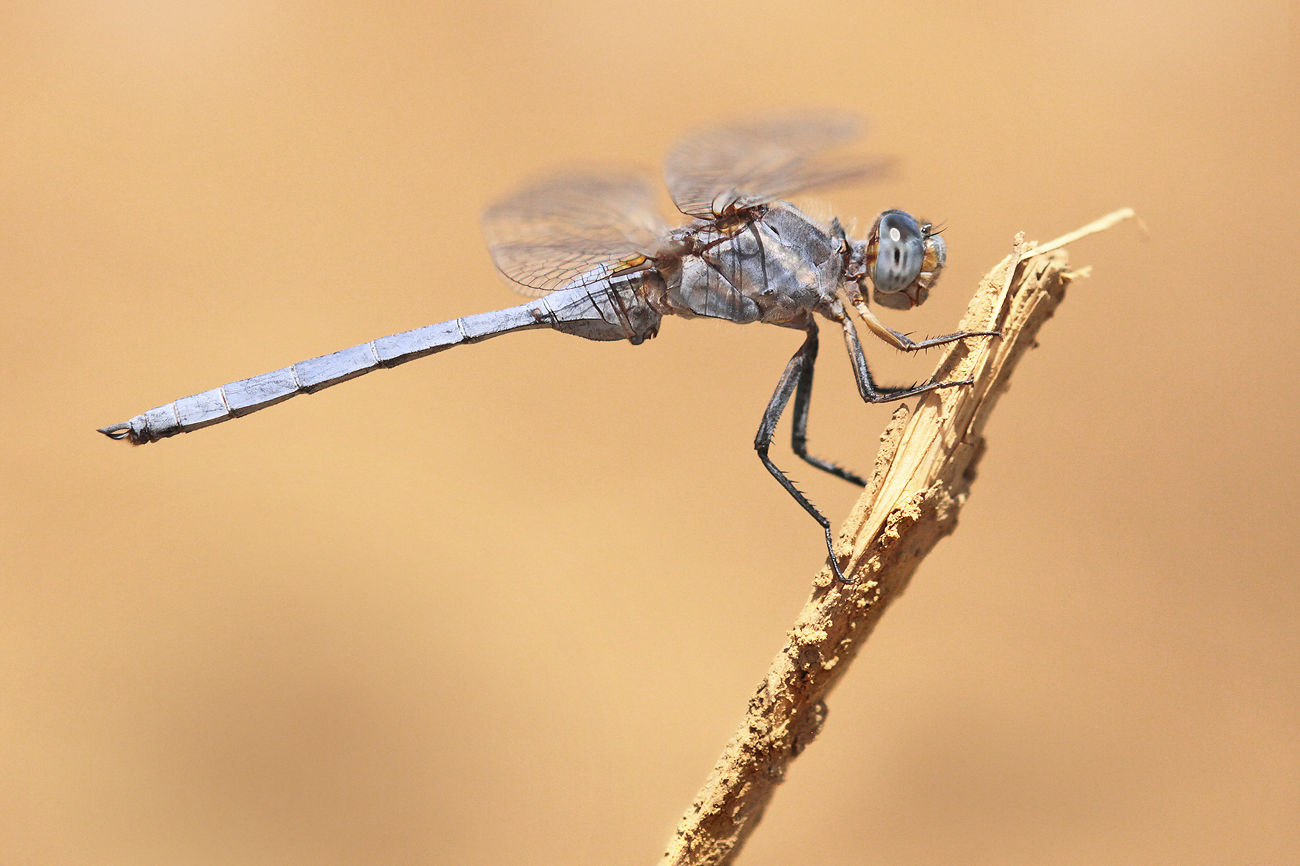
(900,253)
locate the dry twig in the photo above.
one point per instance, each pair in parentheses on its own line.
(922,477)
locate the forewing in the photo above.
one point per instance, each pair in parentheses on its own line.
(546,234)
(745,164)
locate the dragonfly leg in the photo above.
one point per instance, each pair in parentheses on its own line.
(802,401)
(796,373)
(906,343)
(867,387)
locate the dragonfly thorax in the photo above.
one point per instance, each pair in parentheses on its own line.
(777,267)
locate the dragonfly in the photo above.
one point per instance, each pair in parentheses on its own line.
(602,264)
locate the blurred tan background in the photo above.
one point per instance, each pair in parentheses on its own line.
(507,604)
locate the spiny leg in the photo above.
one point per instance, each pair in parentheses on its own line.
(906,343)
(797,381)
(790,379)
(802,402)
(867,387)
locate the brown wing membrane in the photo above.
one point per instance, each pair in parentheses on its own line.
(548,233)
(746,164)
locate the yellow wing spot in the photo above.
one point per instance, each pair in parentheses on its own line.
(630,263)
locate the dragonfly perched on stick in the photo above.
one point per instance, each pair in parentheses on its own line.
(605,266)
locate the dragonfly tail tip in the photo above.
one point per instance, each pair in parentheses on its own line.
(116,431)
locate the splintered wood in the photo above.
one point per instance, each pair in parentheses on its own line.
(922,477)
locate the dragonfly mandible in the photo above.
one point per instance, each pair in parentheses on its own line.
(604,266)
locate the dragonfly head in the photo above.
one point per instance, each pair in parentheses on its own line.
(902,258)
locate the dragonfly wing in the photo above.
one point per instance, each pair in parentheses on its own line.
(546,234)
(745,164)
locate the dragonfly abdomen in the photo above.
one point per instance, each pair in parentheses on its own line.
(597,312)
